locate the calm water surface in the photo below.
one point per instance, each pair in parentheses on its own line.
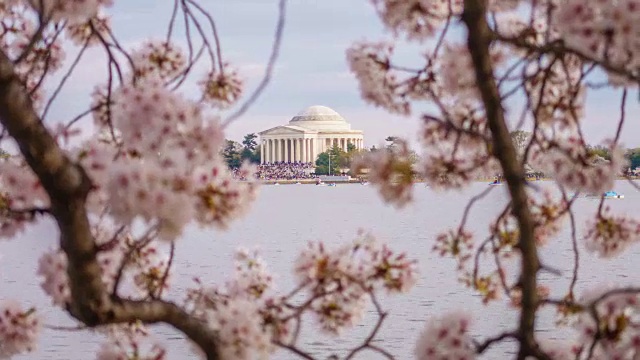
(284,218)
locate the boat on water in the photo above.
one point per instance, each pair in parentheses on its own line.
(332,184)
(364,183)
(298,183)
(276,184)
(612,195)
(607,195)
(495,183)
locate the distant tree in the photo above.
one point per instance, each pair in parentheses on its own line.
(232,154)
(599,150)
(633,156)
(250,150)
(249,142)
(339,160)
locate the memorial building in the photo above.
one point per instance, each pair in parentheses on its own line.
(308,134)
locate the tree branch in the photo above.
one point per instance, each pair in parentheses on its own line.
(68,185)
(478,42)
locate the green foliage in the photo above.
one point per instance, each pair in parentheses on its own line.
(231,154)
(332,161)
(249,142)
(251,150)
(633,155)
(599,150)
(4,154)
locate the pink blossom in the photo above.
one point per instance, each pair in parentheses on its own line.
(608,235)
(19,329)
(370,62)
(241,335)
(89,32)
(221,89)
(419,19)
(391,171)
(158,58)
(446,337)
(125,343)
(569,163)
(252,278)
(52,267)
(615,312)
(74,12)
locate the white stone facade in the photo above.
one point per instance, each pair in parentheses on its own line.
(308,134)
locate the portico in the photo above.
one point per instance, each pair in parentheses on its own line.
(308,134)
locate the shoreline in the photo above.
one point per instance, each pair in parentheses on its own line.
(355,181)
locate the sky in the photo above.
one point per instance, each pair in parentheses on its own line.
(311,69)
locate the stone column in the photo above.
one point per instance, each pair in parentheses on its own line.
(261,151)
(278,150)
(314,145)
(298,157)
(271,151)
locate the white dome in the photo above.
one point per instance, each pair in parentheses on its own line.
(317,113)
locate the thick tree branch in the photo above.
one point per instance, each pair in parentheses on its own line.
(478,42)
(68,185)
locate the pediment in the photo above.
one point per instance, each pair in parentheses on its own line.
(285,130)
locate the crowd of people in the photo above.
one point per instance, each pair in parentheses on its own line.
(280,171)
(285,171)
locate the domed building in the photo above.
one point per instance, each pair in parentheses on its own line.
(308,134)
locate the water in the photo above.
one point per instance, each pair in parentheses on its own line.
(280,223)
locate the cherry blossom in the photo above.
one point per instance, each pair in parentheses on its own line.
(609,234)
(391,171)
(419,19)
(446,337)
(19,329)
(611,318)
(223,88)
(378,84)
(158,58)
(72,11)
(130,342)
(569,163)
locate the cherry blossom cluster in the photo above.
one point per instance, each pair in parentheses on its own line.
(602,30)
(73,12)
(457,243)
(89,32)
(345,275)
(334,285)
(548,213)
(221,89)
(391,170)
(161,59)
(45,57)
(130,341)
(20,192)
(171,172)
(455,74)
(570,164)
(609,316)
(19,329)
(608,235)
(556,91)
(446,337)
(370,62)
(140,262)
